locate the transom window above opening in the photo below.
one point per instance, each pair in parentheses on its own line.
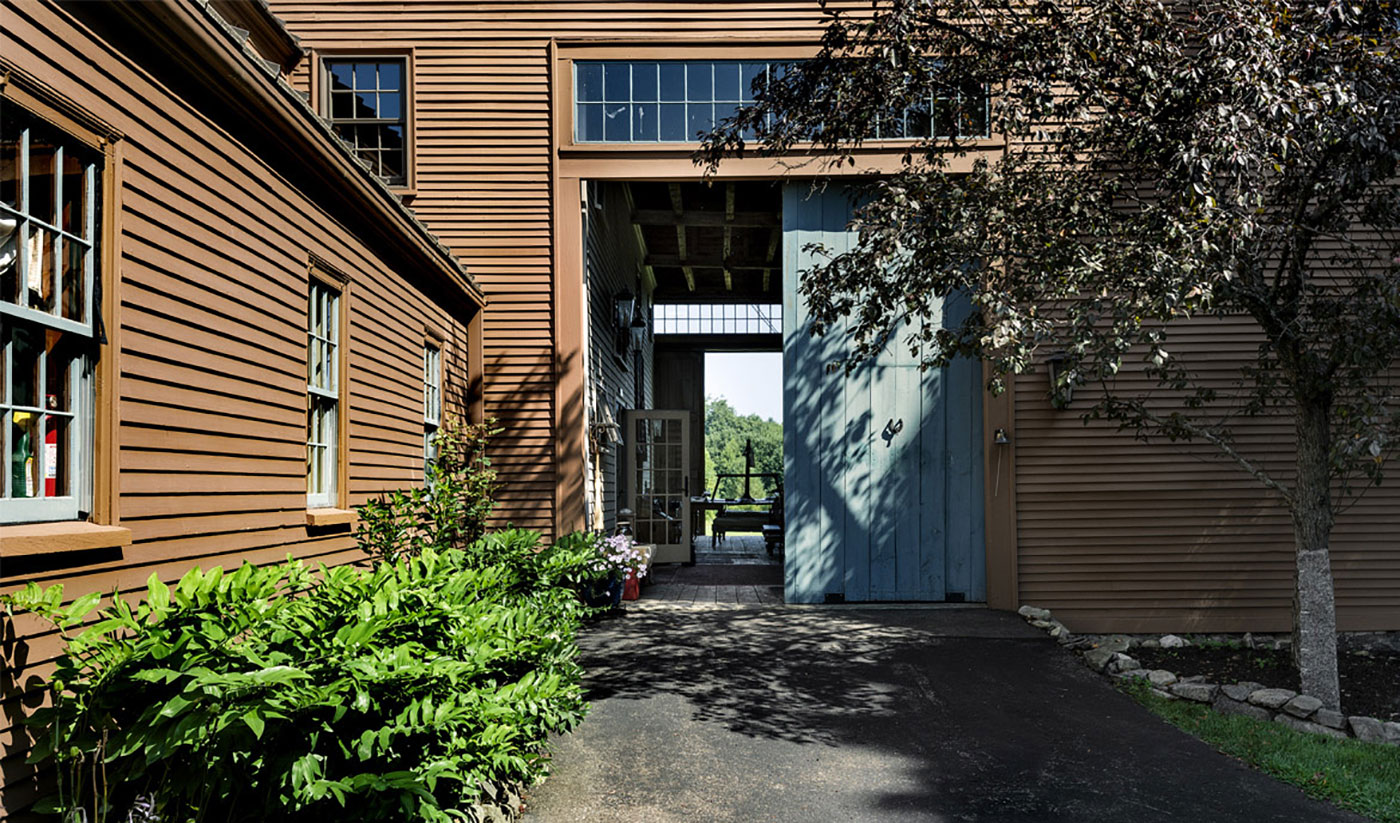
(672,101)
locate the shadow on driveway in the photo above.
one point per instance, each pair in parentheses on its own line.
(791,714)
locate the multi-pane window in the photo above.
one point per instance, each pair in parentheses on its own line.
(322,395)
(432,401)
(48,275)
(617,101)
(367,105)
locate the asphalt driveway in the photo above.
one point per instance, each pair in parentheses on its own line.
(789,715)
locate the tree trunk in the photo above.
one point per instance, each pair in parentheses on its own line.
(1314,603)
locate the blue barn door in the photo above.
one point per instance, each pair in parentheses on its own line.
(883,489)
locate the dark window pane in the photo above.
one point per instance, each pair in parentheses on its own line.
(699,83)
(392,164)
(590,122)
(73,280)
(617,84)
(723,110)
(644,82)
(918,121)
(391,76)
(751,72)
(41,178)
(673,122)
(59,363)
(391,137)
(589,83)
(365,79)
(617,122)
(9,162)
(342,104)
(389,108)
(341,76)
(41,265)
(975,114)
(750,133)
(74,192)
(672,81)
(24,351)
(644,117)
(944,117)
(367,137)
(700,119)
(726,81)
(364,104)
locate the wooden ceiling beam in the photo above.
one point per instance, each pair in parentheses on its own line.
(706,219)
(678,213)
(703,262)
(641,239)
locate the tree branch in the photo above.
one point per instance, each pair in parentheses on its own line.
(1221,443)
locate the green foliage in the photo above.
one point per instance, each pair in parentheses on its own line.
(725,435)
(1164,163)
(1147,169)
(1363,777)
(450,512)
(405,692)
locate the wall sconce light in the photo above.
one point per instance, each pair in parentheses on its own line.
(639,325)
(1061,384)
(626,306)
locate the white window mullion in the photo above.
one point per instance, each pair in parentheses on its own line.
(323,397)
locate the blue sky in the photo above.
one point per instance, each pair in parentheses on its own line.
(751,382)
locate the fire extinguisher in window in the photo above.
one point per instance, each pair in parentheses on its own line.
(51,453)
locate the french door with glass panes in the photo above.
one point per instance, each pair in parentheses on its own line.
(657,444)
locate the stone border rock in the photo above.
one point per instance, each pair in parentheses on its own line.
(1108,654)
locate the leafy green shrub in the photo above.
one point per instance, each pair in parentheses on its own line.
(404,692)
(450,512)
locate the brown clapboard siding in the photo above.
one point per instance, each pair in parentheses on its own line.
(484,166)
(215,240)
(1094,511)
(1115,534)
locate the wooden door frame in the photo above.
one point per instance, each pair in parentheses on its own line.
(629,491)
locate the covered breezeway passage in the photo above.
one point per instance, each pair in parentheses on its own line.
(882,490)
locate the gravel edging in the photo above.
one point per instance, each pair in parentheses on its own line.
(1108,654)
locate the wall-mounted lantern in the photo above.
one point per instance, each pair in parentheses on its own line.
(1061,385)
(624,313)
(639,324)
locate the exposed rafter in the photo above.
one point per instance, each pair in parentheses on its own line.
(701,261)
(706,219)
(641,238)
(678,213)
(728,232)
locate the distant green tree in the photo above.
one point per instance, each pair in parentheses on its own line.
(726,433)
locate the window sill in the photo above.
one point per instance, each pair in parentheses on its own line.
(321,518)
(53,538)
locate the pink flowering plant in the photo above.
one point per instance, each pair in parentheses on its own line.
(619,556)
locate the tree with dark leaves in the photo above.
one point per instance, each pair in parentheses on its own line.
(1105,174)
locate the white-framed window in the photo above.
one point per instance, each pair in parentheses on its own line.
(49,188)
(322,396)
(432,402)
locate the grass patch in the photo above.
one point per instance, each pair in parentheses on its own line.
(1362,777)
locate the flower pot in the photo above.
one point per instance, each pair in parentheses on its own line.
(604,593)
(631,588)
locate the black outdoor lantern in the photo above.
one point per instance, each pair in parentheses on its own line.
(1061,386)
